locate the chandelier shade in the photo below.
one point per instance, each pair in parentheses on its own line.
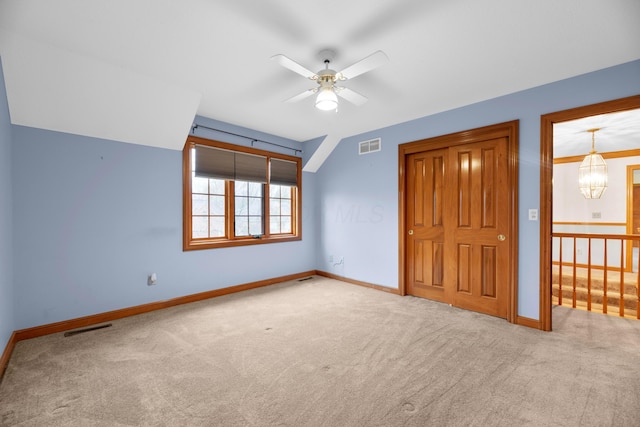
(593,173)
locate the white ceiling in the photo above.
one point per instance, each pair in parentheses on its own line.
(140,70)
(616,132)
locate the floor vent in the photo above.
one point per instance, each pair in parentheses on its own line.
(371,146)
(80,331)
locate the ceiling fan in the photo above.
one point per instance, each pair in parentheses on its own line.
(327,79)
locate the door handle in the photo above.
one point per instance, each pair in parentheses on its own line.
(502,237)
(410,232)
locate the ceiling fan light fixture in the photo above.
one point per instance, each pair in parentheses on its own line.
(327,93)
(327,99)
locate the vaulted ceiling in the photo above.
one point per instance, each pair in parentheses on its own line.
(140,70)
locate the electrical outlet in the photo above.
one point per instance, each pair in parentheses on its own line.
(152,279)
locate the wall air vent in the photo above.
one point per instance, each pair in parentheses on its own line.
(371,146)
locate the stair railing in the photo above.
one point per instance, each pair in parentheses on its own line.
(603,261)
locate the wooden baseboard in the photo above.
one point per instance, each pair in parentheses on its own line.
(358,282)
(6,354)
(520,320)
(94,319)
(528,322)
(81,322)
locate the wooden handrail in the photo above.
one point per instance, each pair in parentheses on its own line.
(598,236)
(606,239)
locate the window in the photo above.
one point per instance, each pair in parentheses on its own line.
(235,195)
(280,209)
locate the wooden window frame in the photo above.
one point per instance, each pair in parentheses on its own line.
(189,243)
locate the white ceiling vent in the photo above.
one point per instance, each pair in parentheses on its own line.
(373,145)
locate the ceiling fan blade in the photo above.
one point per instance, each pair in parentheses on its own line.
(372,61)
(301,96)
(292,65)
(351,95)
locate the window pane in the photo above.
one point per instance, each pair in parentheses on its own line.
(286,224)
(274,190)
(255,206)
(274,206)
(286,207)
(249,208)
(241,188)
(200,227)
(199,205)
(241,206)
(286,192)
(216,186)
(216,205)
(255,189)
(255,225)
(217,226)
(274,225)
(199,185)
(242,226)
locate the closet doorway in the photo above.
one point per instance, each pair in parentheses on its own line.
(458,210)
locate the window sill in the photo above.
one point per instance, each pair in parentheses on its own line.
(225,243)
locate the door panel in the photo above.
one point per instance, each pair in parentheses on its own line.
(425,213)
(464,269)
(463,201)
(479,190)
(489,175)
(489,262)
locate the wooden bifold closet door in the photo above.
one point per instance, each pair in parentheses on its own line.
(457,225)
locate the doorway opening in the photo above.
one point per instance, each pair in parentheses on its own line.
(578,233)
(633,216)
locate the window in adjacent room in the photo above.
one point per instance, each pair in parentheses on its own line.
(237,195)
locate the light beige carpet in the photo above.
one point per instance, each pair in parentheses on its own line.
(326,353)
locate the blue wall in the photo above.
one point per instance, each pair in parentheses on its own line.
(6,215)
(97,216)
(359,194)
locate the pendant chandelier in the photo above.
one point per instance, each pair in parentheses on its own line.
(592,174)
